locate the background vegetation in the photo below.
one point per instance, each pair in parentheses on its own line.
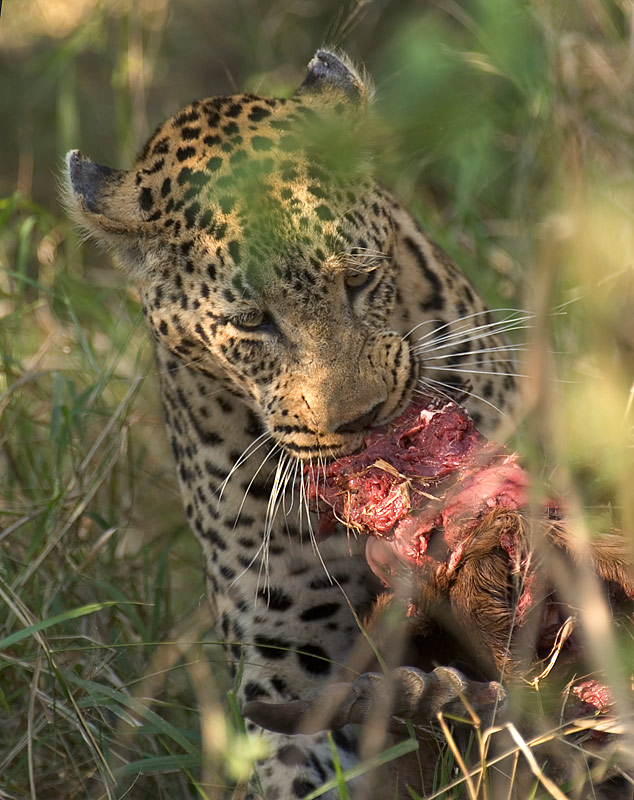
(507,125)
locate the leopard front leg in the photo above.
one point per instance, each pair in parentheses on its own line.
(292,635)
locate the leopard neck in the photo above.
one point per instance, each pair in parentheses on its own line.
(210,432)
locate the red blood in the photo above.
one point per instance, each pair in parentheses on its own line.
(430,472)
(593,693)
(396,472)
(590,697)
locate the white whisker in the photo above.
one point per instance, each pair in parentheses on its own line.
(288,479)
(496,349)
(301,490)
(248,451)
(451,324)
(479,372)
(461,390)
(185,364)
(309,522)
(313,538)
(452,328)
(271,511)
(278,493)
(245,570)
(274,497)
(465,335)
(294,486)
(420,325)
(257,472)
(476,363)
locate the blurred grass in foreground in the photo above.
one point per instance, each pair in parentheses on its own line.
(506,125)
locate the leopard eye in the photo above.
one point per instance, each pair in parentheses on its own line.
(356,279)
(255,320)
(250,320)
(357,282)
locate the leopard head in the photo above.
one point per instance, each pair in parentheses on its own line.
(263,250)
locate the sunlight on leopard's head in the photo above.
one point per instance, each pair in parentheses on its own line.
(252,227)
(246,176)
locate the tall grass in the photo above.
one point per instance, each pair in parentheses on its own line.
(507,126)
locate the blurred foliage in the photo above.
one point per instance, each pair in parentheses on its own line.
(506,125)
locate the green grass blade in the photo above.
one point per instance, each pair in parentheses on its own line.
(398,750)
(44,624)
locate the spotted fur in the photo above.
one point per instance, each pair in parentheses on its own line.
(294,304)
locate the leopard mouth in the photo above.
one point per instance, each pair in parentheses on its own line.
(307,444)
(324,450)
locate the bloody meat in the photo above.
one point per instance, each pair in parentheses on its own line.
(445,510)
(431,474)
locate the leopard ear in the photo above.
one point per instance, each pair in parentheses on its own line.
(330,74)
(106,203)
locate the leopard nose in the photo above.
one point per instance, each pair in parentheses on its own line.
(360,423)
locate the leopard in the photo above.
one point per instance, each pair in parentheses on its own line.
(294,306)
